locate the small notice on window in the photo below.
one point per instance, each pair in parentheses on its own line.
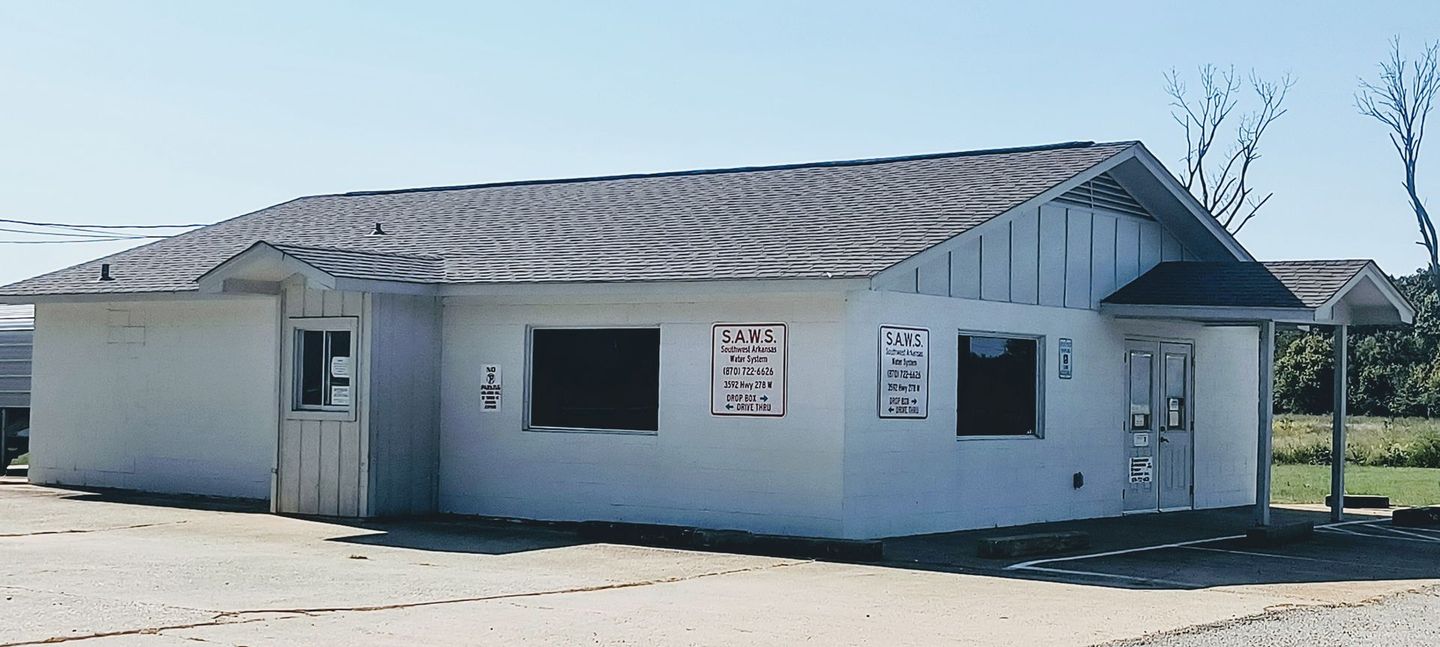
(1142,469)
(340,396)
(339,367)
(904,372)
(747,369)
(490,387)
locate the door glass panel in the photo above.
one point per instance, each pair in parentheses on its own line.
(1141,364)
(1175,391)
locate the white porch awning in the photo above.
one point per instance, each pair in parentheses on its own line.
(1333,293)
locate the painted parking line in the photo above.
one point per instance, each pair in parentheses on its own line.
(1108,576)
(1371,535)
(1344,527)
(1409,534)
(1249,553)
(1032,564)
(1181,544)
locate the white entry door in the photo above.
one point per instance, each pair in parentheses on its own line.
(1159,444)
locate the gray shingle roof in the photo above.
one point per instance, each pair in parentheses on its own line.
(370,265)
(836,219)
(1276,284)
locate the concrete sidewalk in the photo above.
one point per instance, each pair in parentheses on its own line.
(96,570)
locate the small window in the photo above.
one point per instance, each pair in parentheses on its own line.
(323,370)
(595,378)
(999,384)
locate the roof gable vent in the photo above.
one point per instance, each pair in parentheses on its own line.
(1103,192)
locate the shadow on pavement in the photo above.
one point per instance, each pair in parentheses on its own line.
(461,535)
(1141,552)
(1176,550)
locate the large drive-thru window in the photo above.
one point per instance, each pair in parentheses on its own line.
(595,378)
(999,386)
(324,366)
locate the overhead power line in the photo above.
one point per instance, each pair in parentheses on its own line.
(68,234)
(68,225)
(81,233)
(82,240)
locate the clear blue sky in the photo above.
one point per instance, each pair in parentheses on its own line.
(166,112)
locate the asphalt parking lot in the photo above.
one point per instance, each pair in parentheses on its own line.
(100,569)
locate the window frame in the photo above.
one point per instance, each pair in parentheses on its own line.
(1040,354)
(528,424)
(296,326)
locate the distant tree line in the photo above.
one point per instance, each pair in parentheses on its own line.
(1393,371)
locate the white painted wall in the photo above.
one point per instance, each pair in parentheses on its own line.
(761,474)
(914,476)
(162,396)
(1227,386)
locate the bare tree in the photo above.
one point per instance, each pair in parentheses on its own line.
(1220,179)
(1401,100)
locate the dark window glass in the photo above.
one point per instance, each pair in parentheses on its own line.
(595,378)
(312,368)
(998,380)
(323,368)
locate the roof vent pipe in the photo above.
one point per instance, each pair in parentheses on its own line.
(105,272)
(378,231)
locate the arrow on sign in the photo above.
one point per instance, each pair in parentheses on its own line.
(729,406)
(764,398)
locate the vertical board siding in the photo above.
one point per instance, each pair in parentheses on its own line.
(404,404)
(995,264)
(965,270)
(901,282)
(330,468)
(1077,258)
(1052,255)
(321,462)
(1102,254)
(290,456)
(312,303)
(1127,250)
(1056,255)
(309,467)
(1171,249)
(1152,242)
(934,277)
(1025,259)
(348,487)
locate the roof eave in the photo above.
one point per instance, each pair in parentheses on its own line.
(1210,314)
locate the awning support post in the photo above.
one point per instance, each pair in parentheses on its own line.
(1265,409)
(1337,430)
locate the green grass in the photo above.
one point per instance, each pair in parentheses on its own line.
(1388,442)
(1406,486)
(23,459)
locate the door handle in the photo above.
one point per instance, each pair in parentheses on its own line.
(1164,439)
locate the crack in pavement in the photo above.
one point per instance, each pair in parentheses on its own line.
(63,594)
(510,596)
(237,617)
(82,531)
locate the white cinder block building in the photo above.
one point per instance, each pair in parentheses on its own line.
(848,349)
